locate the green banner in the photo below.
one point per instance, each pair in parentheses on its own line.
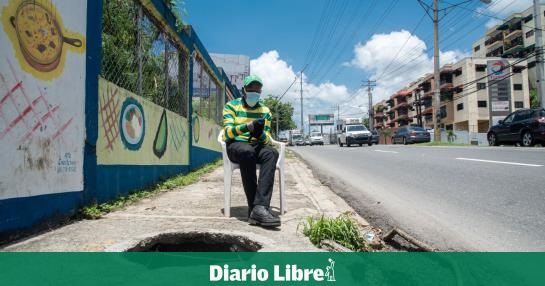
(160,268)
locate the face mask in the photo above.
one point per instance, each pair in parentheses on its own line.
(252,98)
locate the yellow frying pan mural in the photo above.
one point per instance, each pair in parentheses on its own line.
(39,37)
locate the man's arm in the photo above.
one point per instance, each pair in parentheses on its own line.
(266,136)
(230,129)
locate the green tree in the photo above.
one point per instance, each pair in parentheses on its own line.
(285,113)
(534,99)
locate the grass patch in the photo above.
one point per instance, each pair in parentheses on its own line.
(342,229)
(95,211)
(434,143)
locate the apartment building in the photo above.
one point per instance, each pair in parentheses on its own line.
(513,38)
(466,89)
(474,87)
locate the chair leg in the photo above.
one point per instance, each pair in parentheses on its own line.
(283,208)
(227,192)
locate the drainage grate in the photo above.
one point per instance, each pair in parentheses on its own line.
(196,242)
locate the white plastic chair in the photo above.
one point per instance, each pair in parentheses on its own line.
(229,167)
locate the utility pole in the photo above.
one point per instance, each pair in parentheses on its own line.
(436,74)
(302,122)
(370,85)
(277,103)
(539,53)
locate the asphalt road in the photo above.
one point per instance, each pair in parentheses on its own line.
(454,198)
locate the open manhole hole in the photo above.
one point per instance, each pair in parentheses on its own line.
(196,242)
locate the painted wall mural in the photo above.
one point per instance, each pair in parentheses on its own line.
(42,97)
(135,131)
(39,37)
(205,133)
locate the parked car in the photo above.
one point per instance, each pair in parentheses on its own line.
(316,138)
(375,137)
(524,126)
(410,134)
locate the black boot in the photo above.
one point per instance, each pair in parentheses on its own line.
(262,216)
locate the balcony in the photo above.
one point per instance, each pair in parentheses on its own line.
(513,50)
(445,86)
(428,94)
(379,115)
(428,110)
(496,52)
(401,93)
(513,35)
(400,105)
(494,45)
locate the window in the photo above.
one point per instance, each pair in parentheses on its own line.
(519,104)
(509,118)
(460,106)
(480,68)
(481,103)
(523,115)
(517,86)
(517,69)
(529,33)
(481,85)
(477,48)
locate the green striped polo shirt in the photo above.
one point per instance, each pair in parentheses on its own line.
(236,116)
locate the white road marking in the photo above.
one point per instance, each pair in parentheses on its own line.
(500,162)
(386,151)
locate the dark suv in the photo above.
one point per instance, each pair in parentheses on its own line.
(524,126)
(411,134)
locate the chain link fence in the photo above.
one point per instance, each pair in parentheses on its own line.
(139,57)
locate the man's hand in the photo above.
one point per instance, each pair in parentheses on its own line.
(256,127)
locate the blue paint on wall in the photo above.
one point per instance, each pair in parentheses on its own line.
(94,41)
(118,180)
(25,212)
(201,156)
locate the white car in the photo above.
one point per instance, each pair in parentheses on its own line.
(316,138)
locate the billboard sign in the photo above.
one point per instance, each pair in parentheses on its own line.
(499,88)
(321,119)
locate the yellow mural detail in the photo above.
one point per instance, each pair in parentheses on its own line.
(39,37)
(205,133)
(135,131)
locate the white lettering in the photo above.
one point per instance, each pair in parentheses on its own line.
(253,273)
(318,275)
(308,272)
(235,275)
(277,276)
(296,274)
(245,272)
(262,275)
(215,273)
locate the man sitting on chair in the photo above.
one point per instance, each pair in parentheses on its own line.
(247,133)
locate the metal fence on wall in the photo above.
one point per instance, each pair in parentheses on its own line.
(139,56)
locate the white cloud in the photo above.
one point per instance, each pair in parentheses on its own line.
(277,76)
(393,67)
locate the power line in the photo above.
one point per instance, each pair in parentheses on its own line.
(494,17)
(405,66)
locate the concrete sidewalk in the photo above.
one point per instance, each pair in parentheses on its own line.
(197,208)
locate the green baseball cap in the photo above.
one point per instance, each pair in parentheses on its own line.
(252,78)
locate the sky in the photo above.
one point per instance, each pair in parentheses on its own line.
(341,43)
